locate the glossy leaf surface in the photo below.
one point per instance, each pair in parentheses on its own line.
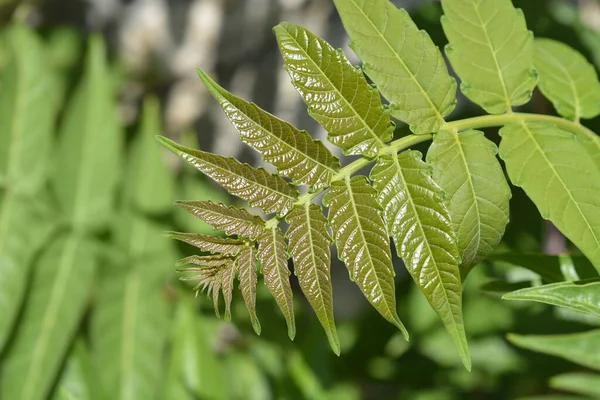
(337,94)
(580,348)
(273,256)
(89,146)
(421,227)
(363,243)
(246,268)
(61,282)
(559,177)
(208,243)
(309,247)
(491,51)
(402,61)
(255,185)
(582,296)
(231,220)
(292,151)
(567,79)
(475,191)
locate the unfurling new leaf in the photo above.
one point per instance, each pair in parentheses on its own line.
(211,244)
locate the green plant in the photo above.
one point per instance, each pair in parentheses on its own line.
(445,214)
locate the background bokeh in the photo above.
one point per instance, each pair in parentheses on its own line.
(90,303)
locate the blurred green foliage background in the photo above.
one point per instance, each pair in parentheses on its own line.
(91,306)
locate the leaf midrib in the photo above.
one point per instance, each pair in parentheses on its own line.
(429,249)
(404,66)
(541,151)
(366,243)
(335,89)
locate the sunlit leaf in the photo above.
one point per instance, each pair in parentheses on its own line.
(491,51)
(402,61)
(232,220)
(148,180)
(246,268)
(580,348)
(209,243)
(363,243)
(475,191)
(292,151)
(421,227)
(273,256)
(89,147)
(337,94)
(561,179)
(582,296)
(567,79)
(257,186)
(309,247)
(62,278)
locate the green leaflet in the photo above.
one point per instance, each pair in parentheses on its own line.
(87,155)
(475,191)
(78,379)
(491,51)
(583,383)
(61,284)
(232,220)
(309,246)
(292,151)
(582,296)
(208,243)
(337,94)
(128,332)
(559,177)
(246,268)
(581,348)
(255,185)
(26,114)
(363,243)
(567,79)
(273,257)
(402,61)
(149,184)
(420,225)
(194,371)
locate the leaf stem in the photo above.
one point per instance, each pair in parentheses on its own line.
(485,121)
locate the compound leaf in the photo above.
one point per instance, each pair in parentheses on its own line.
(421,227)
(337,94)
(246,268)
(255,185)
(561,179)
(87,156)
(363,243)
(231,220)
(309,246)
(402,61)
(567,79)
(583,383)
(491,50)
(581,348)
(475,191)
(128,331)
(273,257)
(149,184)
(60,286)
(208,243)
(292,151)
(582,296)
